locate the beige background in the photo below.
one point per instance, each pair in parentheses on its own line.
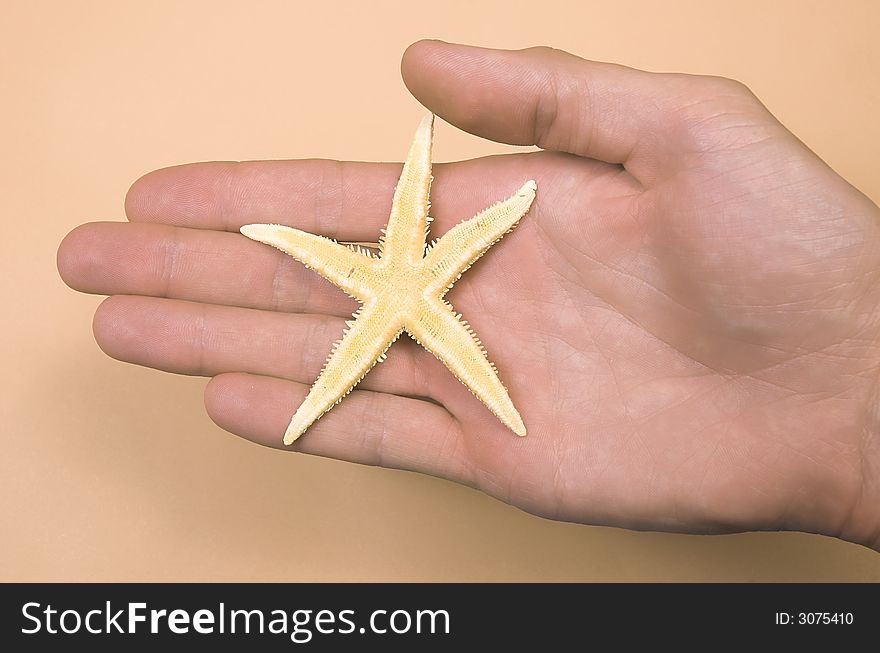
(109,471)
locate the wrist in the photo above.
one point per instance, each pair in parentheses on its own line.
(854,450)
(861,523)
(835,489)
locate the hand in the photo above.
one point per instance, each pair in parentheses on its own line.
(687,319)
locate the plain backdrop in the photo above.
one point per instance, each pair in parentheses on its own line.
(114,472)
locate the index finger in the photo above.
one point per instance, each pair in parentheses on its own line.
(337,199)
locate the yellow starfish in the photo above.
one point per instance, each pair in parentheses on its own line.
(402,289)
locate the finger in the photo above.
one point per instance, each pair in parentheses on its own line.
(558,101)
(206,340)
(372,428)
(115,258)
(348,201)
(331,198)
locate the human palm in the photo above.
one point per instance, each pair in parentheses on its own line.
(685,319)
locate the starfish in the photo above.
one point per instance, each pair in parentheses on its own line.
(402,289)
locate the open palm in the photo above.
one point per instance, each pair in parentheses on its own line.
(686,319)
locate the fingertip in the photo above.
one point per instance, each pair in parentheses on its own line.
(248,406)
(417,51)
(101,257)
(476,89)
(135,202)
(422,68)
(424,51)
(225,400)
(215,391)
(190,194)
(154,193)
(107,325)
(72,253)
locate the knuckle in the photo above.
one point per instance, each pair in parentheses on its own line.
(724,95)
(545,50)
(725,86)
(546,113)
(329,199)
(170,254)
(720,114)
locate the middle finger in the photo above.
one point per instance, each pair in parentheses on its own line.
(216,267)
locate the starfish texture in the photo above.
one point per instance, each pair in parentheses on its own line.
(402,289)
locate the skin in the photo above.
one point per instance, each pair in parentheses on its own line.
(687,318)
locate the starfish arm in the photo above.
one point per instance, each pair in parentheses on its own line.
(456,251)
(363,344)
(346,268)
(408,224)
(439,330)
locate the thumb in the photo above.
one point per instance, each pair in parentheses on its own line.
(558,101)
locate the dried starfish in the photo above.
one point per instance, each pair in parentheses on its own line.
(402,289)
